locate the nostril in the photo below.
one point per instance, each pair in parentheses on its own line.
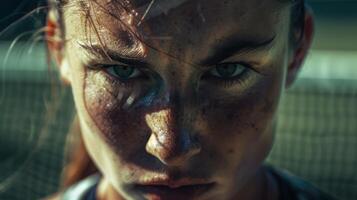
(173,152)
(169,142)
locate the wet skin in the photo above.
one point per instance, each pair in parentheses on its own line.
(176,124)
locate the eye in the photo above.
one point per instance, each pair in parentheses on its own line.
(123,72)
(229,74)
(228,70)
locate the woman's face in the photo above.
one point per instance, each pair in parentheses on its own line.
(177,99)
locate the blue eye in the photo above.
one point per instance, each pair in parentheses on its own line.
(228,70)
(123,72)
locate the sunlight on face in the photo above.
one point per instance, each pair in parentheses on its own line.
(180,93)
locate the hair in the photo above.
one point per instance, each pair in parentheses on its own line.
(78,163)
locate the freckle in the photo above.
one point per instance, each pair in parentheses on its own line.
(230,151)
(253,126)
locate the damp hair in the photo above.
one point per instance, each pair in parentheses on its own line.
(297,11)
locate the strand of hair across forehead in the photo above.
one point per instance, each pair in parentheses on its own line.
(297,15)
(58,4)
(139,37)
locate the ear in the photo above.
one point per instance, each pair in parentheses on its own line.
(55,46)
(301,49)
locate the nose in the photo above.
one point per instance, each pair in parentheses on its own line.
(172,145)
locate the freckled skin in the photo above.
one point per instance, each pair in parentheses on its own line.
(187,128)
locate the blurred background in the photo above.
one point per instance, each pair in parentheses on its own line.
(317,128)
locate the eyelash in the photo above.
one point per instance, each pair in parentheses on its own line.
(114,80)
(240,79)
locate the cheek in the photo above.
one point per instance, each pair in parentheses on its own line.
(111,110)
(238,118)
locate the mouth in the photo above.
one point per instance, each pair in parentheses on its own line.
(171,190)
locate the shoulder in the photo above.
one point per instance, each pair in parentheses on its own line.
(292,187)
(78,191)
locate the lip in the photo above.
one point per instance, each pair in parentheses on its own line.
(172,190)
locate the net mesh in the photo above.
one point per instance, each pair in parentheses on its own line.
(316,136)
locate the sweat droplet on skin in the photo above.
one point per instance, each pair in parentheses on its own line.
(130,19)
(109,105)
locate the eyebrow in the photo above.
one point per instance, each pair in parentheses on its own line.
(222,50)
(104,52)
(233,46)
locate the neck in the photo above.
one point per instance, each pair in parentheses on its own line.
(261,186)
(105,191)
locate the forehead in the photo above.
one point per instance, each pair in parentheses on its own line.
(197,24)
